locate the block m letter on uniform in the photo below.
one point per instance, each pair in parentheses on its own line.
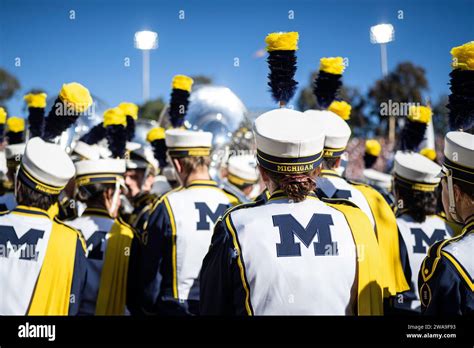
(289,227)
(205,212)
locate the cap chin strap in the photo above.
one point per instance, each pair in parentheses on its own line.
(115,197)
(452,202)
(15,181)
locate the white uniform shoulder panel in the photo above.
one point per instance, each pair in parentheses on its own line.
(461,250)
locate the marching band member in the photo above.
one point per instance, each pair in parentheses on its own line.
(445,278)
(265,258)
(242,176)
(446,275)
(371,202)
(142,168)
(178,232)
(44,270)
(107,236)
(415,182)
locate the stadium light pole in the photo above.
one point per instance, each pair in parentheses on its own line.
(146,41)
(382,34)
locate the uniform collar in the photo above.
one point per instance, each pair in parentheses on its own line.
(23,209)
(329,172)
(279,194)
(469,225)
(97,212)
(211,183)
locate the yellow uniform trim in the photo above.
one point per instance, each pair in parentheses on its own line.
(113,280)
(387,235)
(173,247)
(53,289)
(369,271)
(459,268)
(239,262)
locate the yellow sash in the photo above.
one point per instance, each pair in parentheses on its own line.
(53,289)
(369,273)
(113,281)
(387,236)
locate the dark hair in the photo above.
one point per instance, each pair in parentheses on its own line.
(330,162)
(295,186)
(31,198)
(93,194)
(417,204)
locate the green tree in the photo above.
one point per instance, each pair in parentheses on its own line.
(440,115)
(405,84)
(200,80)
(8,85)
(151,109)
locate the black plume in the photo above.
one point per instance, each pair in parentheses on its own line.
(159,151)
(412,135)
(2,132)
(461,100)
(325,88)
(95,134)
(116,136)
(130,128)
(178,106)
(282,72)
(15,137)
(369,160)
(36,122)
(58,120)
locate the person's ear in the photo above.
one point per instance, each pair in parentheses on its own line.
(338,162)
(108,194)
(457,194)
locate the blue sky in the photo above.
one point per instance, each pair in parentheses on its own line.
(91,49)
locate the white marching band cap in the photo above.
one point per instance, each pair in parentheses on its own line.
(416,171)
(86,151)
(288,141)
(458,164)
(242,170)
(183,143)
(376,178)
(459,156)
(337,132)
(15,151)
(45,167)
(102,171)
(142,158)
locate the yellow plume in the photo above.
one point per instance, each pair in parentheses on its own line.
(129,109)
(282,41)
(16,124)
(36,100)
(341,108)
(114,116)
(428,153)
(76,96)
(3,115)
(182,82)
(155,134)
(373,147)
(463,56)
(421,114)
(332,65)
